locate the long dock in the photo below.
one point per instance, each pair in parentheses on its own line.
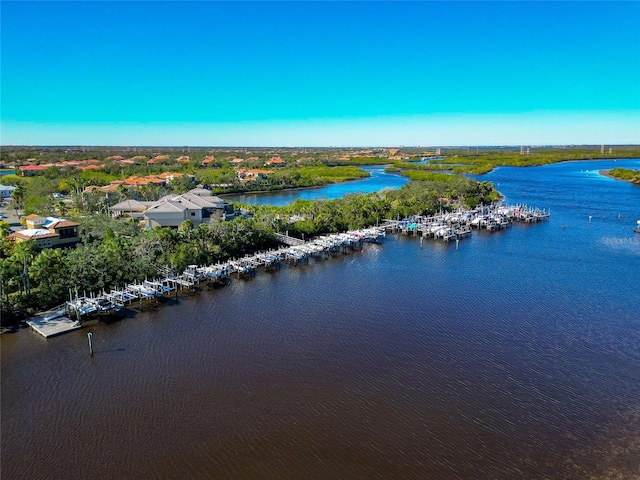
(446,227)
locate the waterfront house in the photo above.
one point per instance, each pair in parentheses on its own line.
(254,174)
(43,237)
(197,205)
(48,232)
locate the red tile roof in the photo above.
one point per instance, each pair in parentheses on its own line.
(64,224)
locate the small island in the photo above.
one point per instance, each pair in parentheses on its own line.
(631,176)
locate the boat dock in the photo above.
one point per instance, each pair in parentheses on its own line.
(460,223)
(54,322)
(445,227)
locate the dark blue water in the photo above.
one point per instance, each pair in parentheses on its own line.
(378,180)
(515,357)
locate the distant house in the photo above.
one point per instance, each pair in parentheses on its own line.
(158,159)
(6,191)
(254,174)
(48,232)
(70,163)
(90,167)
(105,189)
(275,162)
(31,170)
(133,182)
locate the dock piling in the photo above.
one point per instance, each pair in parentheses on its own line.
(90,336)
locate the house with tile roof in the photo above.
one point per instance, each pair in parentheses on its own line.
(275,162)
(31,170)
(253,174)
(133,182)
(48,232)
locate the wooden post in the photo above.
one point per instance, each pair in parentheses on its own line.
(89,335)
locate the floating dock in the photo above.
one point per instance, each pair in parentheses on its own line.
(53,323)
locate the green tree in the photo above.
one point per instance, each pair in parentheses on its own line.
(50,274)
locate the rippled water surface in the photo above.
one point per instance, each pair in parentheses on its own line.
(517,356)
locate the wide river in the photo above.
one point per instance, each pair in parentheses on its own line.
(515,357)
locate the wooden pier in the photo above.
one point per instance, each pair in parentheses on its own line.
(52,323)
(287,240)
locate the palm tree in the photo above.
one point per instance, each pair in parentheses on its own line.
(61,208)
(18,197)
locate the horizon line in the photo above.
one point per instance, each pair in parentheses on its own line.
(510,145)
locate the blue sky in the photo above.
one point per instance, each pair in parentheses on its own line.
(319,73)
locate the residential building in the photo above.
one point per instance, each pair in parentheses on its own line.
(48,232)
(6,191)
(254,174)
(130,208)
(275,162)
(197,205)
(31,170)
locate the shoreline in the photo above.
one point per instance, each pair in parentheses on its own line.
(614,159)
(605,173)
(292,189)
